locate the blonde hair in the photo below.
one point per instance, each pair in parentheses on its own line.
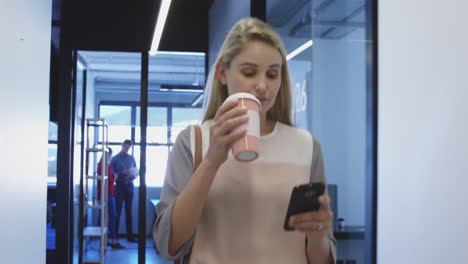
(242,33)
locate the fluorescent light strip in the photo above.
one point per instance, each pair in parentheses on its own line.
(200,97)
(163,11)
(299,50)
(180,90)
(181,53)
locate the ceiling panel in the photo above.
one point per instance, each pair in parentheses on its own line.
(117,74)
(330,19)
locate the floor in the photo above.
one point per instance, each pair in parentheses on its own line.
(129,255)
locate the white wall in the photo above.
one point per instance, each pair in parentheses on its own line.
(423,132)
(24,93)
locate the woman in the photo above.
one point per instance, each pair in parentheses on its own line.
(237,209)
(112,211)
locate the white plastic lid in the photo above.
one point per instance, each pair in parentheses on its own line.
(238,96)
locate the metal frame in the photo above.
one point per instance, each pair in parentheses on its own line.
(142,187)
(372,133)
(81,203)
(94,128)
(258,9)
(65,139)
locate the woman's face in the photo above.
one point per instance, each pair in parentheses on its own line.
(255,70)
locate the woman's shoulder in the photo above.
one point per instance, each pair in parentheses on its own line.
(184,136)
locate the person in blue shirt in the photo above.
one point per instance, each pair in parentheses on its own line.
(124,166)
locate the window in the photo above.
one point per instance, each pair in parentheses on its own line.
(156,160)
(52,164)
(331,90)
(164,125)
(157,125)
(119,120)
(52,156)
(182,117)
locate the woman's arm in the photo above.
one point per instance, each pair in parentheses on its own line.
(320,249)
(184,194)
(316,225)
(188,206)
(182,199)
(178,173)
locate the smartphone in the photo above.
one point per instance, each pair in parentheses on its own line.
(304,198)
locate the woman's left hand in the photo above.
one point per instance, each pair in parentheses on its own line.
(314,224)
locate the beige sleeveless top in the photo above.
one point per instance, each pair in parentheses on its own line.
(242,221)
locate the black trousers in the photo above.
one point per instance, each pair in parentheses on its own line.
(124,193)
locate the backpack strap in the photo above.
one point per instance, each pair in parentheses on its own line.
(198,147)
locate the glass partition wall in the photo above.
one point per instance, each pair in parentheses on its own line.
(329,45)
(111,89)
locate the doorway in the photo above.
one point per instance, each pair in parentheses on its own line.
(151,113)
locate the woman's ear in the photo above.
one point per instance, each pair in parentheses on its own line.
(221,72)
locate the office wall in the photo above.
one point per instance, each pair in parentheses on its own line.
(338,119)
(24,111)
(223,15)
(336,116)
(423,132)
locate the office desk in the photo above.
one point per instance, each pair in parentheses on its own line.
(350,233)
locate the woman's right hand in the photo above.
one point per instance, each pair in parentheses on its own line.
(223,131)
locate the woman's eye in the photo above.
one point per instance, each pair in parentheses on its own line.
(272,75)
(249,73)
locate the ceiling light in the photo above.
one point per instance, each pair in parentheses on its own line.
(180,90)
(299,50)
(163,11)
(198,100)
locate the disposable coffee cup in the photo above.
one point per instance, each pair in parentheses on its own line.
(246,148)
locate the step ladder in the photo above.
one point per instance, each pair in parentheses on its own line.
(96,148)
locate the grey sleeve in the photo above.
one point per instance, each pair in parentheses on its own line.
(178,173)
(317,174)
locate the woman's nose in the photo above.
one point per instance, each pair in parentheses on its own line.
(261,85)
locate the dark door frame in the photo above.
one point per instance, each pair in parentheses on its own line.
(371,131)
(65,139)
(142,188)
(65,159)
(81,212)
(65,108)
